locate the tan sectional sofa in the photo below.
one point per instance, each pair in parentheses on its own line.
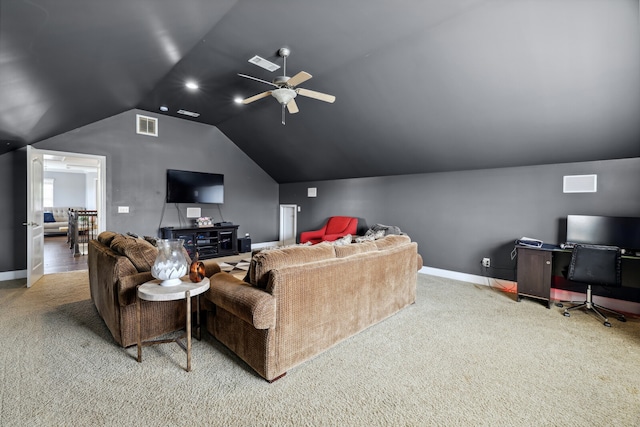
(303,300)
(117,265)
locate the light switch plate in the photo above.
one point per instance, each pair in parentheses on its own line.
(123,209)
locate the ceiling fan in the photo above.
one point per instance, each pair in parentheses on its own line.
(286,89)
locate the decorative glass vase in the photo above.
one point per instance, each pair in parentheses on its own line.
(170,264)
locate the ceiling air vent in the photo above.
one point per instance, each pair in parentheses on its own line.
(263,63)
(146,125)
(188,113)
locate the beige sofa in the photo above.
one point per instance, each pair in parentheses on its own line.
(303,300)
(61,217)
(117,265)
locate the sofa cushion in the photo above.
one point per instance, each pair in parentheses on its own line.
(141,253)
(355,248)
(106,237)
(392,241)
(265,261)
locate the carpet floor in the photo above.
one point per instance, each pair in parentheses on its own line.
(463,355)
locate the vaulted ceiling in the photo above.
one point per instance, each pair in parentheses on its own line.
(420,85)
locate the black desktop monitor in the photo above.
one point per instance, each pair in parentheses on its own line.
(623,232)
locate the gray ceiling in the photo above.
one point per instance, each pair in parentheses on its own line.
(421,85)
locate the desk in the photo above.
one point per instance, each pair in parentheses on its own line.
(152,291)
(540,269)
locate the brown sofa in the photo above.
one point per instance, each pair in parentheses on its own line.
(302,300)
(117,265)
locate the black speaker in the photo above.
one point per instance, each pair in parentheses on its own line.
(244,244)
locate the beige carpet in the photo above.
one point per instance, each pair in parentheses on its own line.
(462,355)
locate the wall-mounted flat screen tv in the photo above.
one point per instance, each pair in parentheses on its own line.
(194,187)
(623,232)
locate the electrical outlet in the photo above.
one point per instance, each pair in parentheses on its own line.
(486,262)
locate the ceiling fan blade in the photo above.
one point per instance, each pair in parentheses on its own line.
(256,97)
(257,79)
(316,95)
(292,106)
(301,77)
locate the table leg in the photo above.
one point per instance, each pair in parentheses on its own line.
(188,296)
(198,325)
(139,318)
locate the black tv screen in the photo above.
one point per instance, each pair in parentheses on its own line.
(194,187)
(623,232)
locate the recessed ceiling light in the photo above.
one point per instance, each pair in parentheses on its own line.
(238,100)
(164,108)
(191,85)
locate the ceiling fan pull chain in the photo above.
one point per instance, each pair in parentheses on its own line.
(283,107)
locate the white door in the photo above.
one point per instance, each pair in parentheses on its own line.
(35,216)
(288,224)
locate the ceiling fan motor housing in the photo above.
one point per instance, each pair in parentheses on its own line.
(281,80)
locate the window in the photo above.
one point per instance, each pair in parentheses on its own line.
(47,192)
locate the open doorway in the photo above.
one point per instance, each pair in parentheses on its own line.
(70,180)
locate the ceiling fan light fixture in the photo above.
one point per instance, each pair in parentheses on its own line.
(284,95)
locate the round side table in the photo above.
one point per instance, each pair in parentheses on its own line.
(152,291)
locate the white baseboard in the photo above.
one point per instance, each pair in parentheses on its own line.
(13,275)
(556,294)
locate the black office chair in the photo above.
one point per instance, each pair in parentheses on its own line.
(595,265)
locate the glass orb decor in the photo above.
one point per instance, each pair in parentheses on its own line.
(170,264)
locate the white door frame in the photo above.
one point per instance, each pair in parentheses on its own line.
(288,221)
(35,251)
(101,192)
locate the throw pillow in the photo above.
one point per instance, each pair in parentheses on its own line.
(387,229)
(346,240)
(48,217)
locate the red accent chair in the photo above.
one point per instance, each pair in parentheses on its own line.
(335,228)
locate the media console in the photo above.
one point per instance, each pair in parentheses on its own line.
(208,242)
(540,269)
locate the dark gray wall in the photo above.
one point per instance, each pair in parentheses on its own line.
(136,176)
(458,218)
(13,202)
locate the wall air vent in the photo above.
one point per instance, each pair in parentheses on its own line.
(189,113)
(580,184)
(146,125)
(263,63)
